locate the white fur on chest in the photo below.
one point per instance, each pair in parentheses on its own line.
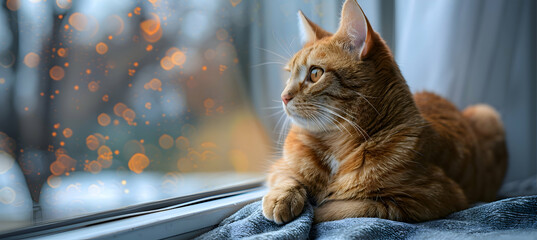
(333,164)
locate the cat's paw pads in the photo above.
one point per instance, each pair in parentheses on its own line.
(282,206)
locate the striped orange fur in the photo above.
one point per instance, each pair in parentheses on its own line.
(361,145)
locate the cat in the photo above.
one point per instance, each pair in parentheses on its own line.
(361,145)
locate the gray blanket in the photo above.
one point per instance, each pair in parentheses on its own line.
(512,218)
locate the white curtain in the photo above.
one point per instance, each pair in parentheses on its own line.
(476,52)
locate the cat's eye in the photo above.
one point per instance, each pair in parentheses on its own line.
(315,74)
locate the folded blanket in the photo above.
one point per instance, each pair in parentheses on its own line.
(512,218)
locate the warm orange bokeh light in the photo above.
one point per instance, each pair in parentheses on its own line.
(57,73)
(182,143)
(148,105)
(103,119)
(166,63)
(208,103)
(13,5)
(137,10)
(155,84)
(101,48)
(67,133)
(62,52)
(105,156)
(92,142)
(94,167)
(64,4)
(165,141)
(149,47)
(57,168)
(151,26)
(66,161)
(138,163)
(76,87)
(119,109)
(105,152)
(79,21)
(151,29)
(54,181)
(116,22)
(129,115)
(93,86)
(31,60)
(178,58)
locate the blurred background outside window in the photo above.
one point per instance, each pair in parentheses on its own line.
(106,104)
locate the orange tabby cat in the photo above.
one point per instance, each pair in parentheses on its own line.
(362,146)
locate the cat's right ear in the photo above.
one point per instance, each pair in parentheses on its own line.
(309,31)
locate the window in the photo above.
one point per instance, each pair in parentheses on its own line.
(108,104)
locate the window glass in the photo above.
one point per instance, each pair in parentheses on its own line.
(106,104)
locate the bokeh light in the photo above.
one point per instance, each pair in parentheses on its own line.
(93,86)
(67,133)
(7,195)
(92,142)
(31,60)
(62,52)
(64,4)
(104,120)
(101,48)
(56,73)
(13,5)
(79,21)
(166,141)
(166,63)
(138,163)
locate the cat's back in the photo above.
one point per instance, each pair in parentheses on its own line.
(468,145)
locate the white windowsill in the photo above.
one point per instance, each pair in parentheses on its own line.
(179,223)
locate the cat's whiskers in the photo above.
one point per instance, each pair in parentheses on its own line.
(291,44)
(280,44)
(328,117)
(274,107)
(267,63)
(283,129)
(274,53)
(326,113)
(334,112)
(361,95)
(357,128)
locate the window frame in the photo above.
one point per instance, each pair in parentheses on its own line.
(184,217)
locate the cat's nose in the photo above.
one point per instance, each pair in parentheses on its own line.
(286,98)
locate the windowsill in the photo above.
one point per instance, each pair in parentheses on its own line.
(178,223)
(209,198)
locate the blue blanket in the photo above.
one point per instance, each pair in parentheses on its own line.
(512,218)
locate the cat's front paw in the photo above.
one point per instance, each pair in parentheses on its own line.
(284,205)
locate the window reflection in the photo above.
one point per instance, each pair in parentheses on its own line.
(106,104)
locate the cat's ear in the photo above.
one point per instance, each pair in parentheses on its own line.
(309,31)
(355,28)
